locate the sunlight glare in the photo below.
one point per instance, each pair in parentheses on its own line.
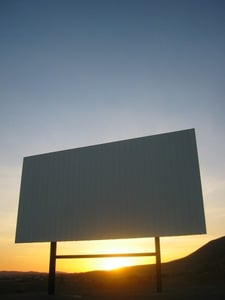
(116,263)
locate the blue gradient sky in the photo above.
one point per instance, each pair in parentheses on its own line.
(75,73)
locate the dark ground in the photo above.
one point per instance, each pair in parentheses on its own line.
(112,285)
(200,276)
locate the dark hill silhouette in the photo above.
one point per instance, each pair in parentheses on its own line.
(208,258)
(205,266)
(200,275)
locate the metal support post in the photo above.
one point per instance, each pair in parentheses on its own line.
(51,274)
(158,266)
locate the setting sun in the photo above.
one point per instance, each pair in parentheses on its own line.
(114,247)
(116,262)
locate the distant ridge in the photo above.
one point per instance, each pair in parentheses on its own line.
(208,258)
(200,276)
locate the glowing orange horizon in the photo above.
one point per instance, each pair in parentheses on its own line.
(35,256)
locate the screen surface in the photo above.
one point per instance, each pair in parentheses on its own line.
(142,187)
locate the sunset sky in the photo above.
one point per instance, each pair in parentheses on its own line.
(77,73)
